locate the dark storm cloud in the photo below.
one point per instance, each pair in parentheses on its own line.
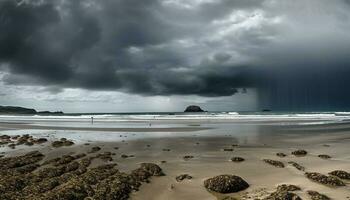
(291,51)
(85,44)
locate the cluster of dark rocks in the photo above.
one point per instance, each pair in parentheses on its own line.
(26,139)
(68,177)
(65,159)
(62,142)
(323,179)
(284,192)
(287,192)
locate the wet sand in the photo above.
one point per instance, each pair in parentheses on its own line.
(207,146)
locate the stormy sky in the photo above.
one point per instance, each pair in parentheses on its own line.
(161,55)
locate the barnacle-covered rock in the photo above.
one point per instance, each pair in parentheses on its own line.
(226,184)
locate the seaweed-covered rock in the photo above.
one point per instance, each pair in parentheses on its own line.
(340,174)
(19,161)
(317,196)
(297,166)
(182,177)
(323,179)
(145,171)
(275,163)
(237,159)
(299,152)
(68,178)
(226,184)
(324,156)
(65,159)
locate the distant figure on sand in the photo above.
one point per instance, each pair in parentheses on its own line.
(92,120)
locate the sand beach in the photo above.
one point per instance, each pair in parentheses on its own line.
(258,151)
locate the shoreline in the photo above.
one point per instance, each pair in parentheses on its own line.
(212,149)
(43,127)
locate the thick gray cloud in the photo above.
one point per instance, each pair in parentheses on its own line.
(294,53)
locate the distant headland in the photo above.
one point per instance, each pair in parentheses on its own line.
(29,111)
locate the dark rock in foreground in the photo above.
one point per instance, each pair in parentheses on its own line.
(226,184)
(340,174)
(299,152)
(68,177)
(323,179)
(275,163)
(317,196)
(193,108)
(182,177)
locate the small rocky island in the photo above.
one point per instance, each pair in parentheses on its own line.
(193,108)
